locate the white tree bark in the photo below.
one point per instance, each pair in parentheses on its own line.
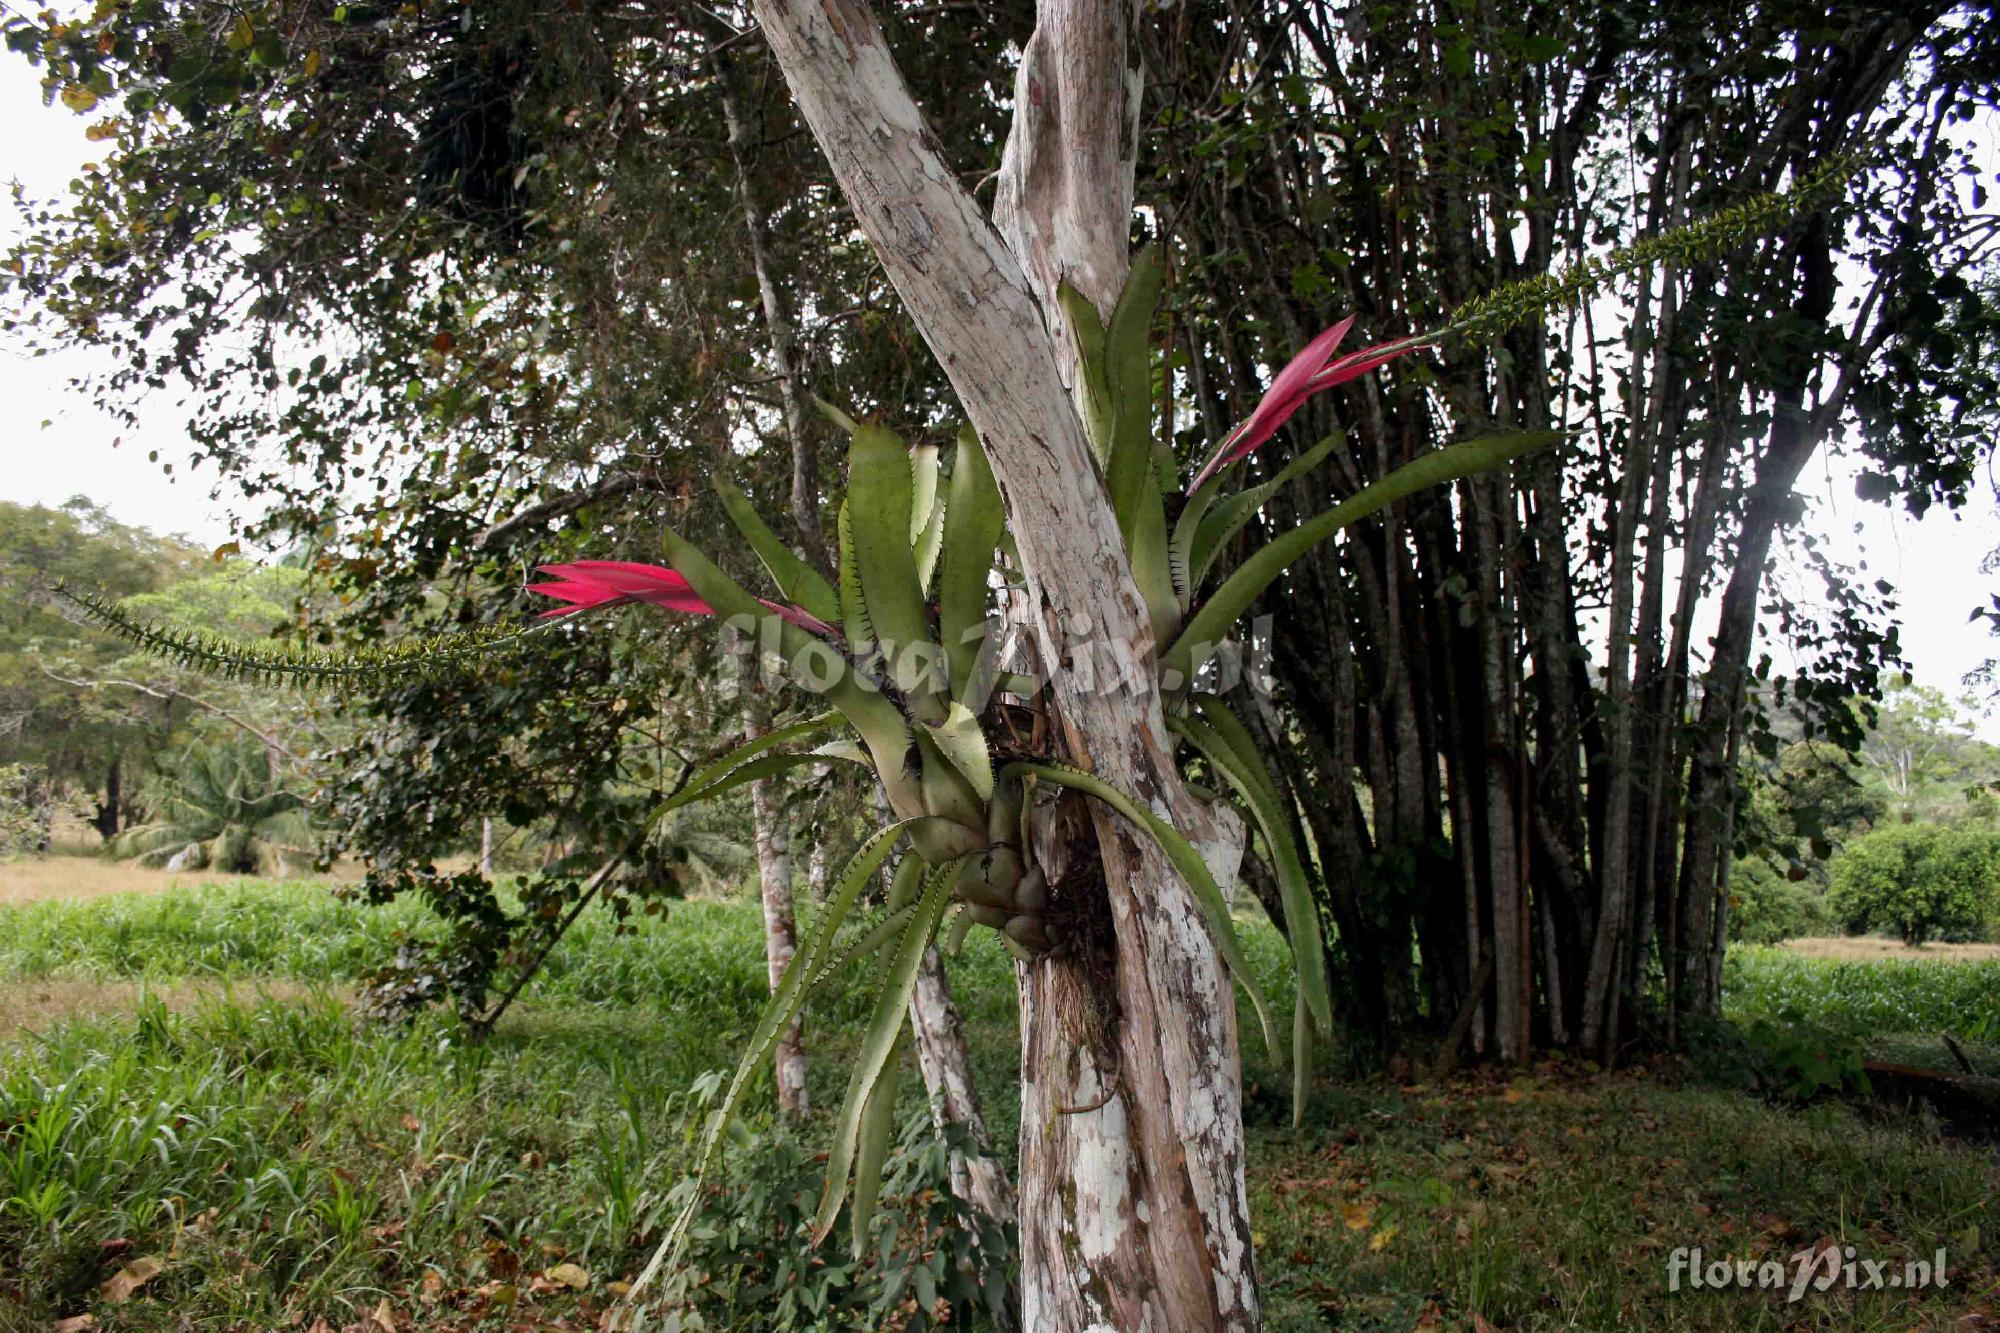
(1134,1211)
(781,931)
(978,1178)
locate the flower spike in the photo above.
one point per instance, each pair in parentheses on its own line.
(589,584)
(1311,371)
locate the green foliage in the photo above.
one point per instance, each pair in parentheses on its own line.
(1798,1059)
(1863,998)
(350,1162)
(747,1260)
(1920,882)
(1769,907)
(20,826)
(66,733)
(1923,756)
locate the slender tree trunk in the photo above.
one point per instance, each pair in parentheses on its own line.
(745,125)
(781,931)
(106,820)
(978,1178)
(1134,1212)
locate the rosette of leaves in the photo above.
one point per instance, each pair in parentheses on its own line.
(900,643)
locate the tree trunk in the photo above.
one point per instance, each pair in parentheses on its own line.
(106,819)
(1134,1212)
(978,1178)
(781,932)
(745,125)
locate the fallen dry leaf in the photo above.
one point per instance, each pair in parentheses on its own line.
(76,1323)
(118,1288)
(572,1276)
(384,1317)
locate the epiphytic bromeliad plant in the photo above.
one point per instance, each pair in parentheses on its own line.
(903,645)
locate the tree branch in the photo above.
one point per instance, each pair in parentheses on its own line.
(607,487)
(168,692)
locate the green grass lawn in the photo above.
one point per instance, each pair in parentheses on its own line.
(283,1162)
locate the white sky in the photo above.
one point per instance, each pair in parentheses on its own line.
(55,444)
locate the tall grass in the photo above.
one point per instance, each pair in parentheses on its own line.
(1876,998)
(288,1161)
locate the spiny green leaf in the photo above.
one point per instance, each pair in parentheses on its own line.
(1238,761)
(798,582)
(959,738)
(787,999)
(1210,625)
(1129,472)
(879,506)
(853,606)
(699,783)
(973,521)
(885,1025)
(881,724)
(923,488)
(1227,518)
(1093,399)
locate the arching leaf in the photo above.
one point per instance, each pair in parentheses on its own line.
(885,1025)
(974,518)
(1208,627)
(1186,860)
(797,581)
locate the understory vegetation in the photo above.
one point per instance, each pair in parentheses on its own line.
(261,1156)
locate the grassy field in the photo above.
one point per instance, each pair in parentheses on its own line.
(187,1098)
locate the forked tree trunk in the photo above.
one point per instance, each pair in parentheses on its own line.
(781,932)
(1134,1212)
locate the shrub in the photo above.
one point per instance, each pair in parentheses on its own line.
(1919,882)
(928,1264)
(1768,908)
(221,807)
(20,829)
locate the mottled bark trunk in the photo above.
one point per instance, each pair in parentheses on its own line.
(745,124)
(781,932)
(978,1178)
(1134,1212)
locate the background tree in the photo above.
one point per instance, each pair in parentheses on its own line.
(1920,882)
(1488,771)
(1923,752)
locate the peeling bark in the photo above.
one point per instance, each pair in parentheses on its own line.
(781,931)
(978,1178)
(1134,1210)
